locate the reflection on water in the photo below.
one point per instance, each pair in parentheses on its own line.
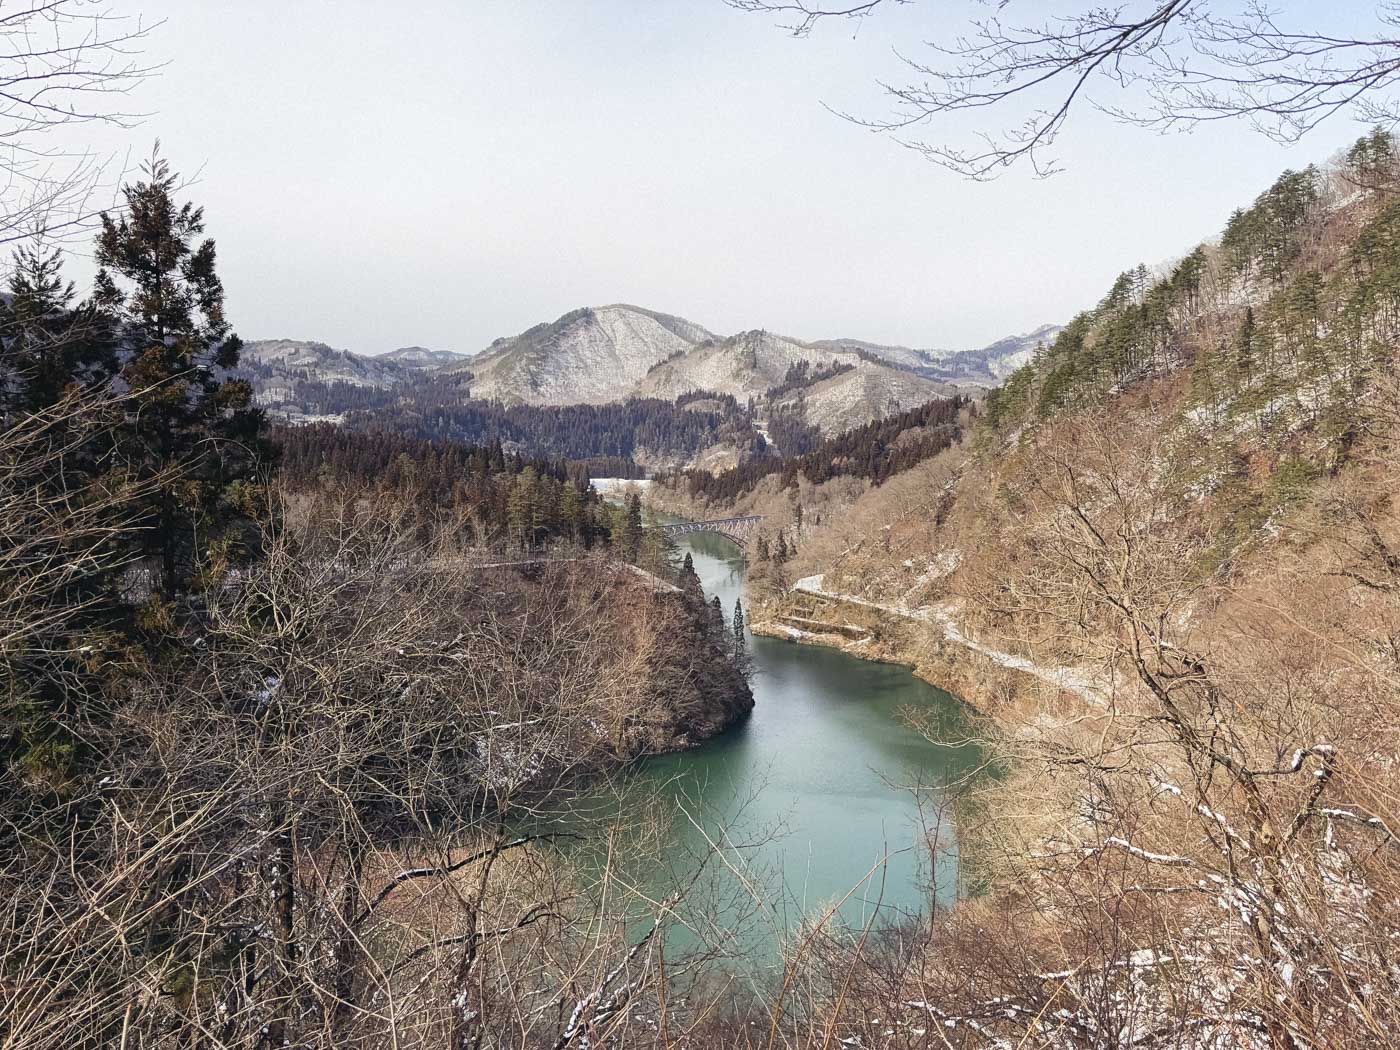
(812,793)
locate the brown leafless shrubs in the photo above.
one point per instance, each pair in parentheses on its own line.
(332,818)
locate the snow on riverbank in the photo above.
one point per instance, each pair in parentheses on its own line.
(608,485)
(1073,679)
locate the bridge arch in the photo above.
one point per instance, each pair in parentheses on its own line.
(740,530)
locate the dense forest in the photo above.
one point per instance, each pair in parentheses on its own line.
(624,429)
(1319,317)
(875,451)
(506,497)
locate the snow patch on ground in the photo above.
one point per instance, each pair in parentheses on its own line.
(942,616)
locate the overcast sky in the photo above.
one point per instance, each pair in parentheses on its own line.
(443,173)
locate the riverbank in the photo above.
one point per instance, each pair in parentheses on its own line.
(827,782)
(931,642)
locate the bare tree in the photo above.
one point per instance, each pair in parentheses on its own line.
(1163,64)
(62,63)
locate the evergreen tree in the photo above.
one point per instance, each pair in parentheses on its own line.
(523,507)
(1244,347)
(780,555)
(571,510)
(65,541)
(1370,162)
(48,346)
(738,625)
(631,540)
(715,627)
(191,426)
(689,580)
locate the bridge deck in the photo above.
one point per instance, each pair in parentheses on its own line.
(725,525)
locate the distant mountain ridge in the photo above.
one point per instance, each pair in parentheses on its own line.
(607,353)
(587,356)
(597,355)
(422,357)
(983,367)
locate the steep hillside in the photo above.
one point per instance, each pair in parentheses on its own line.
(280,371)
(869,391)
(754,364)
(745,365)
(587,356)
(1166,569)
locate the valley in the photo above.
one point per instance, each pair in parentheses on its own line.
(628,682)
(755,387)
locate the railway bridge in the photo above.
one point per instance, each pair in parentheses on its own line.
(740,530)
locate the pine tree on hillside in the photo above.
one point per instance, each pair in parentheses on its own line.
(571,513)
(688,579)
(630,542)
(716,621)
(65,537)
(49,346)
(1244,348)
(738,625)
(190,425)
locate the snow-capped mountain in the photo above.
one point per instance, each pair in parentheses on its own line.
(747,364)
(306,359)
(422,357)
(590,355)
(610,353)
(998,360)
(753,363)
(983,367)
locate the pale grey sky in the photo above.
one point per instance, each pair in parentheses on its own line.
(443,173)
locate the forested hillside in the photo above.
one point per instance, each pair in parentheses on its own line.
(875,451)
(267,693)
(1165,566)
(643,430)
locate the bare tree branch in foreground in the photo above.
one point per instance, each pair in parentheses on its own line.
(62,63)
(1161,64)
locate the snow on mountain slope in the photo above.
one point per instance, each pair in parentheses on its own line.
(746,364)
(752,363)
(608,353)
(986,366)
(587,356)
(421,357)
(901,356)
(1003,357)
(871,391)
(317,361)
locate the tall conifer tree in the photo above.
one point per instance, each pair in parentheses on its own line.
(191,425)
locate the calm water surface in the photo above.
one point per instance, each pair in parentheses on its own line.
(813,791)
